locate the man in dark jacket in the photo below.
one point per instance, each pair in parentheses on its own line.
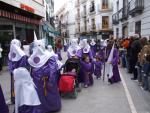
(135,49)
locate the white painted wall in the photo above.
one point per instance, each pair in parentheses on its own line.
(71,17)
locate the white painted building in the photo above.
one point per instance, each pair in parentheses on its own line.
(88,18)
(131,17)
(94,18)
(66,16)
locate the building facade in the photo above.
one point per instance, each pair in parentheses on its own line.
(94,18)
(131,17)
(66,16)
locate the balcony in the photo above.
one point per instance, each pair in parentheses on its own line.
(83,14)
(123,13)
(115,18)
(76,3)
(83,1)
(136,7)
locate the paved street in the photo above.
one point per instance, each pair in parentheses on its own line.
(101,98)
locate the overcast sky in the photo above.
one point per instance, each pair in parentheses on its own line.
(58,4)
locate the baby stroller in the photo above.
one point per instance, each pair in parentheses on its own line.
(68,82)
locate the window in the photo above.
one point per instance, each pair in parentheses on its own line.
(92,7)
(117,5)
(85,9)
(138,27)
(105,22)
(85,23)
(93,24)
(104,4)
(117,32)
(79,26)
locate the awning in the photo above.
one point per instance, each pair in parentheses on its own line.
(50,30)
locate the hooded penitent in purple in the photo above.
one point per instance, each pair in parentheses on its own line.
(93,47)
(116,75)
(44,73)
(113,61)
(3,106)
(74,49)
(16,58)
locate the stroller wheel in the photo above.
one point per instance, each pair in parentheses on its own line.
(74,93)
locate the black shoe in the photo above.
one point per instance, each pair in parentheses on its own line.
(133,78)
(109,80)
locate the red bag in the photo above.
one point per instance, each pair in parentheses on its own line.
(66,83)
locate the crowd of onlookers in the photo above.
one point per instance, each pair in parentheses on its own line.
(135,56)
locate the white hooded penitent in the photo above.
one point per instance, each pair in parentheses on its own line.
(25,92)
(74,47)
(92,42)
(86,46)
(40,55)
(15,53)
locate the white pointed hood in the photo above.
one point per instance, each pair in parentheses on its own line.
(25,92)
(92,43)
(15,53)
(39,57)
(86,46)
(74,47)
(50,50)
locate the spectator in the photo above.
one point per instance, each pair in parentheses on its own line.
(1,62)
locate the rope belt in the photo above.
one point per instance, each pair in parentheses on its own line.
(45,79)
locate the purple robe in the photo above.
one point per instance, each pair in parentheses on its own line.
(45,79)
(13,65)
(97,68)
(78,54)
(102,55)
(16,64)
(87,69)
(89,54)
(93,49)
(116,74)
(3,106)
(65,48)
(59,54)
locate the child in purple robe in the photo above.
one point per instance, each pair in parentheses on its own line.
(98,67)
(87,67)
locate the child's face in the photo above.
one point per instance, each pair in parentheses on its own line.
(87,59)
(97,59)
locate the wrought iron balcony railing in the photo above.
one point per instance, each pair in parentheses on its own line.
(136,7)
(115,18)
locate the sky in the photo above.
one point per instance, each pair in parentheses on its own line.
(58,4)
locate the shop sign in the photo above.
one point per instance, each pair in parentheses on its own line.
(27,8)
